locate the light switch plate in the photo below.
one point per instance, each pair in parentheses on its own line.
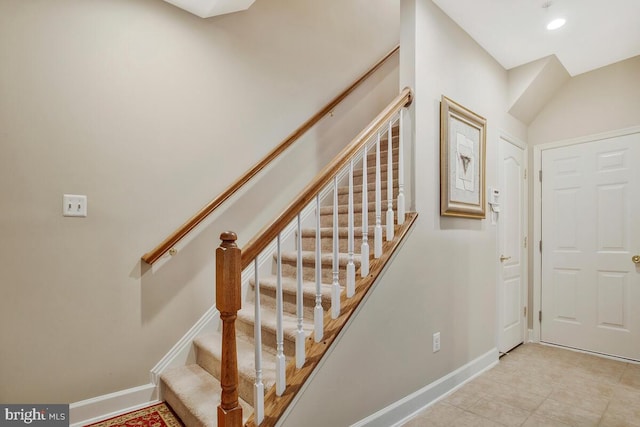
(436,342)
(74,205)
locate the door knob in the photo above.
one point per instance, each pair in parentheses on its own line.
(636,259)
(506,258)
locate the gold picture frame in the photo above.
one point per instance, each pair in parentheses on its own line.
(462,161)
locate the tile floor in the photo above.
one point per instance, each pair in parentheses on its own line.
(537,385)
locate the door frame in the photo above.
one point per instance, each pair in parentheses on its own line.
(525,221)
(534,335)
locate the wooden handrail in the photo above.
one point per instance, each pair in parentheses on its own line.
(270,232)
(168,243)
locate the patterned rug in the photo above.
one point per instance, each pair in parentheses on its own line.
(159,415)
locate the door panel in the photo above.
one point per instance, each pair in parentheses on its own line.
(512,284)
(589,283)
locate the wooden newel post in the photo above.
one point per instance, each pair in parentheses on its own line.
(228,284)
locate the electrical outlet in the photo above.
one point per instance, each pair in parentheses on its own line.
(74,205)
(436,342)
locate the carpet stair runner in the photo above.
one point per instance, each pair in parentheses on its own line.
(193,391)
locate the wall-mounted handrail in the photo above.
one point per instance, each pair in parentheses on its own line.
(271,231)
(168,243)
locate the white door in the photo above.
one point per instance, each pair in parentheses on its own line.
(590,233)
(512,290)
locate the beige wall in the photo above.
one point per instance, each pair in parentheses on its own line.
(598,101)
(151,112)
(445,277)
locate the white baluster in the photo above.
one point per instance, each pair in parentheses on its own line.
(377,243)
(318,312)
(401,207)
(281,381)
(364,247)
(390,219)
(351,267)
(299,303)
(335,288)
(258,387)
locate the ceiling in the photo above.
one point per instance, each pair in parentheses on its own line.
(597,32)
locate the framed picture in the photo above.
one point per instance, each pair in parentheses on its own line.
(462,161)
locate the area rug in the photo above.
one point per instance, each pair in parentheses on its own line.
(159,415)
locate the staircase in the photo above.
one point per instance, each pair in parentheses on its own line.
(193,391)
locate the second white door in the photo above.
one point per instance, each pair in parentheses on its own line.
(590,235)
(512,290)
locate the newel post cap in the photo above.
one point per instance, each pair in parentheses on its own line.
(228,237)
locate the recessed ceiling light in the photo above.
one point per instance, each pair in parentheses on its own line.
(556,23)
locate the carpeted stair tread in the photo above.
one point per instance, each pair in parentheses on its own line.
(371,153)
(326,259)
(209,356)
(357,208)
(326,220)
(193,395)
(371,169)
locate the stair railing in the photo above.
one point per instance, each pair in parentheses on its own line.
(169,243)
(355,153)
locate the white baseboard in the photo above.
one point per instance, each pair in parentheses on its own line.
(110,405)
(532,336)
(405,408)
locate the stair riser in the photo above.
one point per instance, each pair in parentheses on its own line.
(371,151)
(384,154)
(326,242)
(371,164)
(343,198)
(309,272)
(326,220)
(371,178)
(371,185)
(383,143)
(268,299)
(357,207)
(268,337)
(212,364)
(371,168)
(174,401)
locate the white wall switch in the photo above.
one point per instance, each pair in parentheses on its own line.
(74,205)
(436,342)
